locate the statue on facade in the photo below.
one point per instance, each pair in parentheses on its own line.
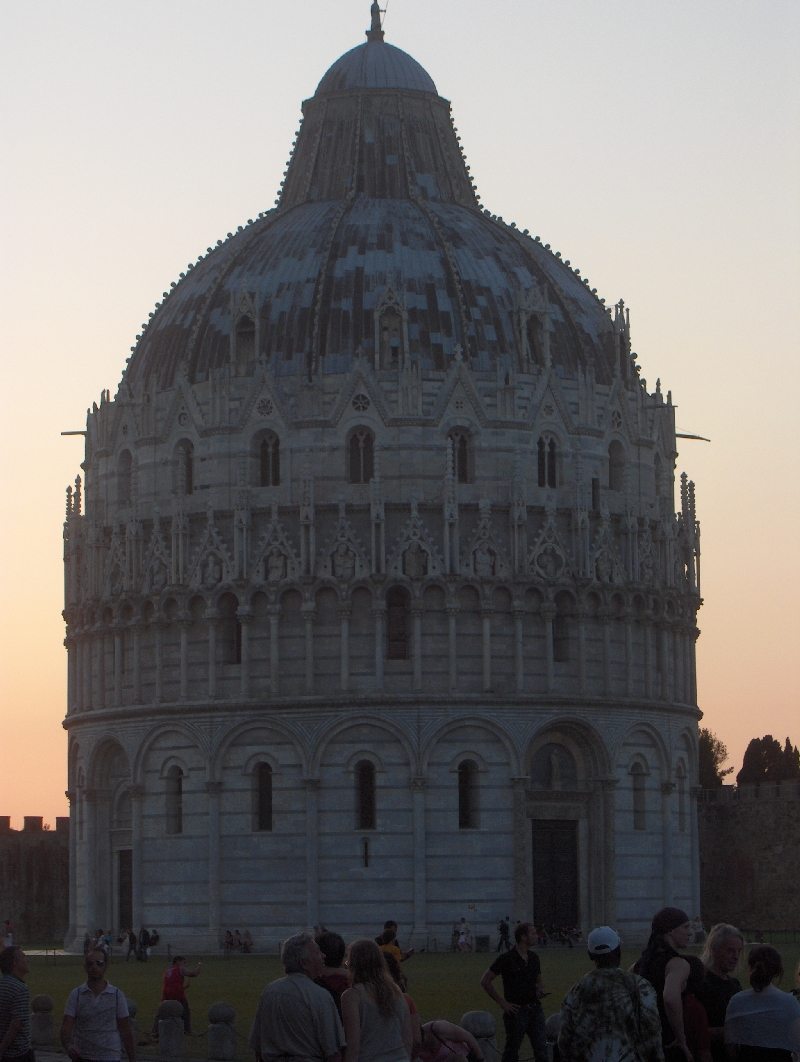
(213,572)
(276,566)
(555,769)
(484,561)
(415,561)
(604,568)
(344,562)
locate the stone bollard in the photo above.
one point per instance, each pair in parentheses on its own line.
(221,1033)
(552,1027)
(483,1027)
(43,1028)
(170,1029)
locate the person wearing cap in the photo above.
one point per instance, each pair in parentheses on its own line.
(668,972)
(611,1014)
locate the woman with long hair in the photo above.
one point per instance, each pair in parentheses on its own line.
(722,953)
(377,1023)
(762,1022)
(668,972)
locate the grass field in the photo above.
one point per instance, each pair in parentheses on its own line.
(442,985)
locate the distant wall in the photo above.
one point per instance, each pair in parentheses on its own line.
(749,855)
(34,880)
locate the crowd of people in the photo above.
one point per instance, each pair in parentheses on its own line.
(237,941)
(351,1004)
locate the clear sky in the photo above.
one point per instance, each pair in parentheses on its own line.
(654,142)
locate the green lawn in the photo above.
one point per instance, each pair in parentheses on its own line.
(442,985)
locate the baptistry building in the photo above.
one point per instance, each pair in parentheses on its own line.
(377,600)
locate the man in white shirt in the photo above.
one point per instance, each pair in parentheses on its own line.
(296,1018)
(96,1022)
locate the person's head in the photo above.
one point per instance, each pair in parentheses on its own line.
(672,926)
(388,936)
(697,973)
(14,961)
(722,949)
(333,948)
(95,964)
(390,924)
(604,947)
(178,960)
(395,971)
(463,919)
(301,954)
(366,964)
(765,965)
(523,932)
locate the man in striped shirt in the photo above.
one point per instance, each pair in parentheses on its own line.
(15,1007)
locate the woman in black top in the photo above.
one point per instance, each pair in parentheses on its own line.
(668,973)
(721,956)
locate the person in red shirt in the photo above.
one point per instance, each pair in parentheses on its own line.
(175,988)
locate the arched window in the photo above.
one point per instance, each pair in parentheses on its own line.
(174,801)
(657,475)
(245,345)
(365,795)
(269,461)
(468,795)
(391,337)
(184,461)
(362,456)
(230,630)
(462,455)
(262,791)
(124,477)
(616,466)
(638,781)
(547,462)
(397,624)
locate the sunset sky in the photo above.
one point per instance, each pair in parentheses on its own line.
(655,143)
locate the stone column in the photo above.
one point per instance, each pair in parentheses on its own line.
(72,931)
(662,636)
(87,671)
(158,635)
(312,852)
(101,669)
(523,872)
(212,618)
(548,615)
(605,622)
(416,645)
(78,673)
(608,786)
(582,650)
(693,636)
(214,790)
(184,623)
(486,616)
(117,667)
(419,932)
(519,648)
(137,892)
(666,839)
(70,647)
(648,659)
(90,811)
(677,650)
(274,612)
(452,645)
(245,617)
(378,613)
(628,620)
(137,664)
(694,794)
(308,612)
(344,648)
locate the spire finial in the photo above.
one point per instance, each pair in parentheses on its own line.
(375,33)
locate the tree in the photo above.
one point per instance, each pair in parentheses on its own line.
(765,761)
(712,754)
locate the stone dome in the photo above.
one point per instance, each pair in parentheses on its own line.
(377,203)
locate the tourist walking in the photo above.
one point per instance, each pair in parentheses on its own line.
(96,1022)
(721,956)
(668,972)
(504,929)
(334,977)
(15,1006)
(144,945)
(611,1014)
(296,1018)
(762,1021)
(521,973)
(132,943)
(377,1023)
(174,987)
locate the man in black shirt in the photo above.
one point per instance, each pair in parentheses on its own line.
(721,956)
(521,1004)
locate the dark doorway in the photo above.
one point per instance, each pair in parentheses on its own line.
(125,886)
(555,872)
